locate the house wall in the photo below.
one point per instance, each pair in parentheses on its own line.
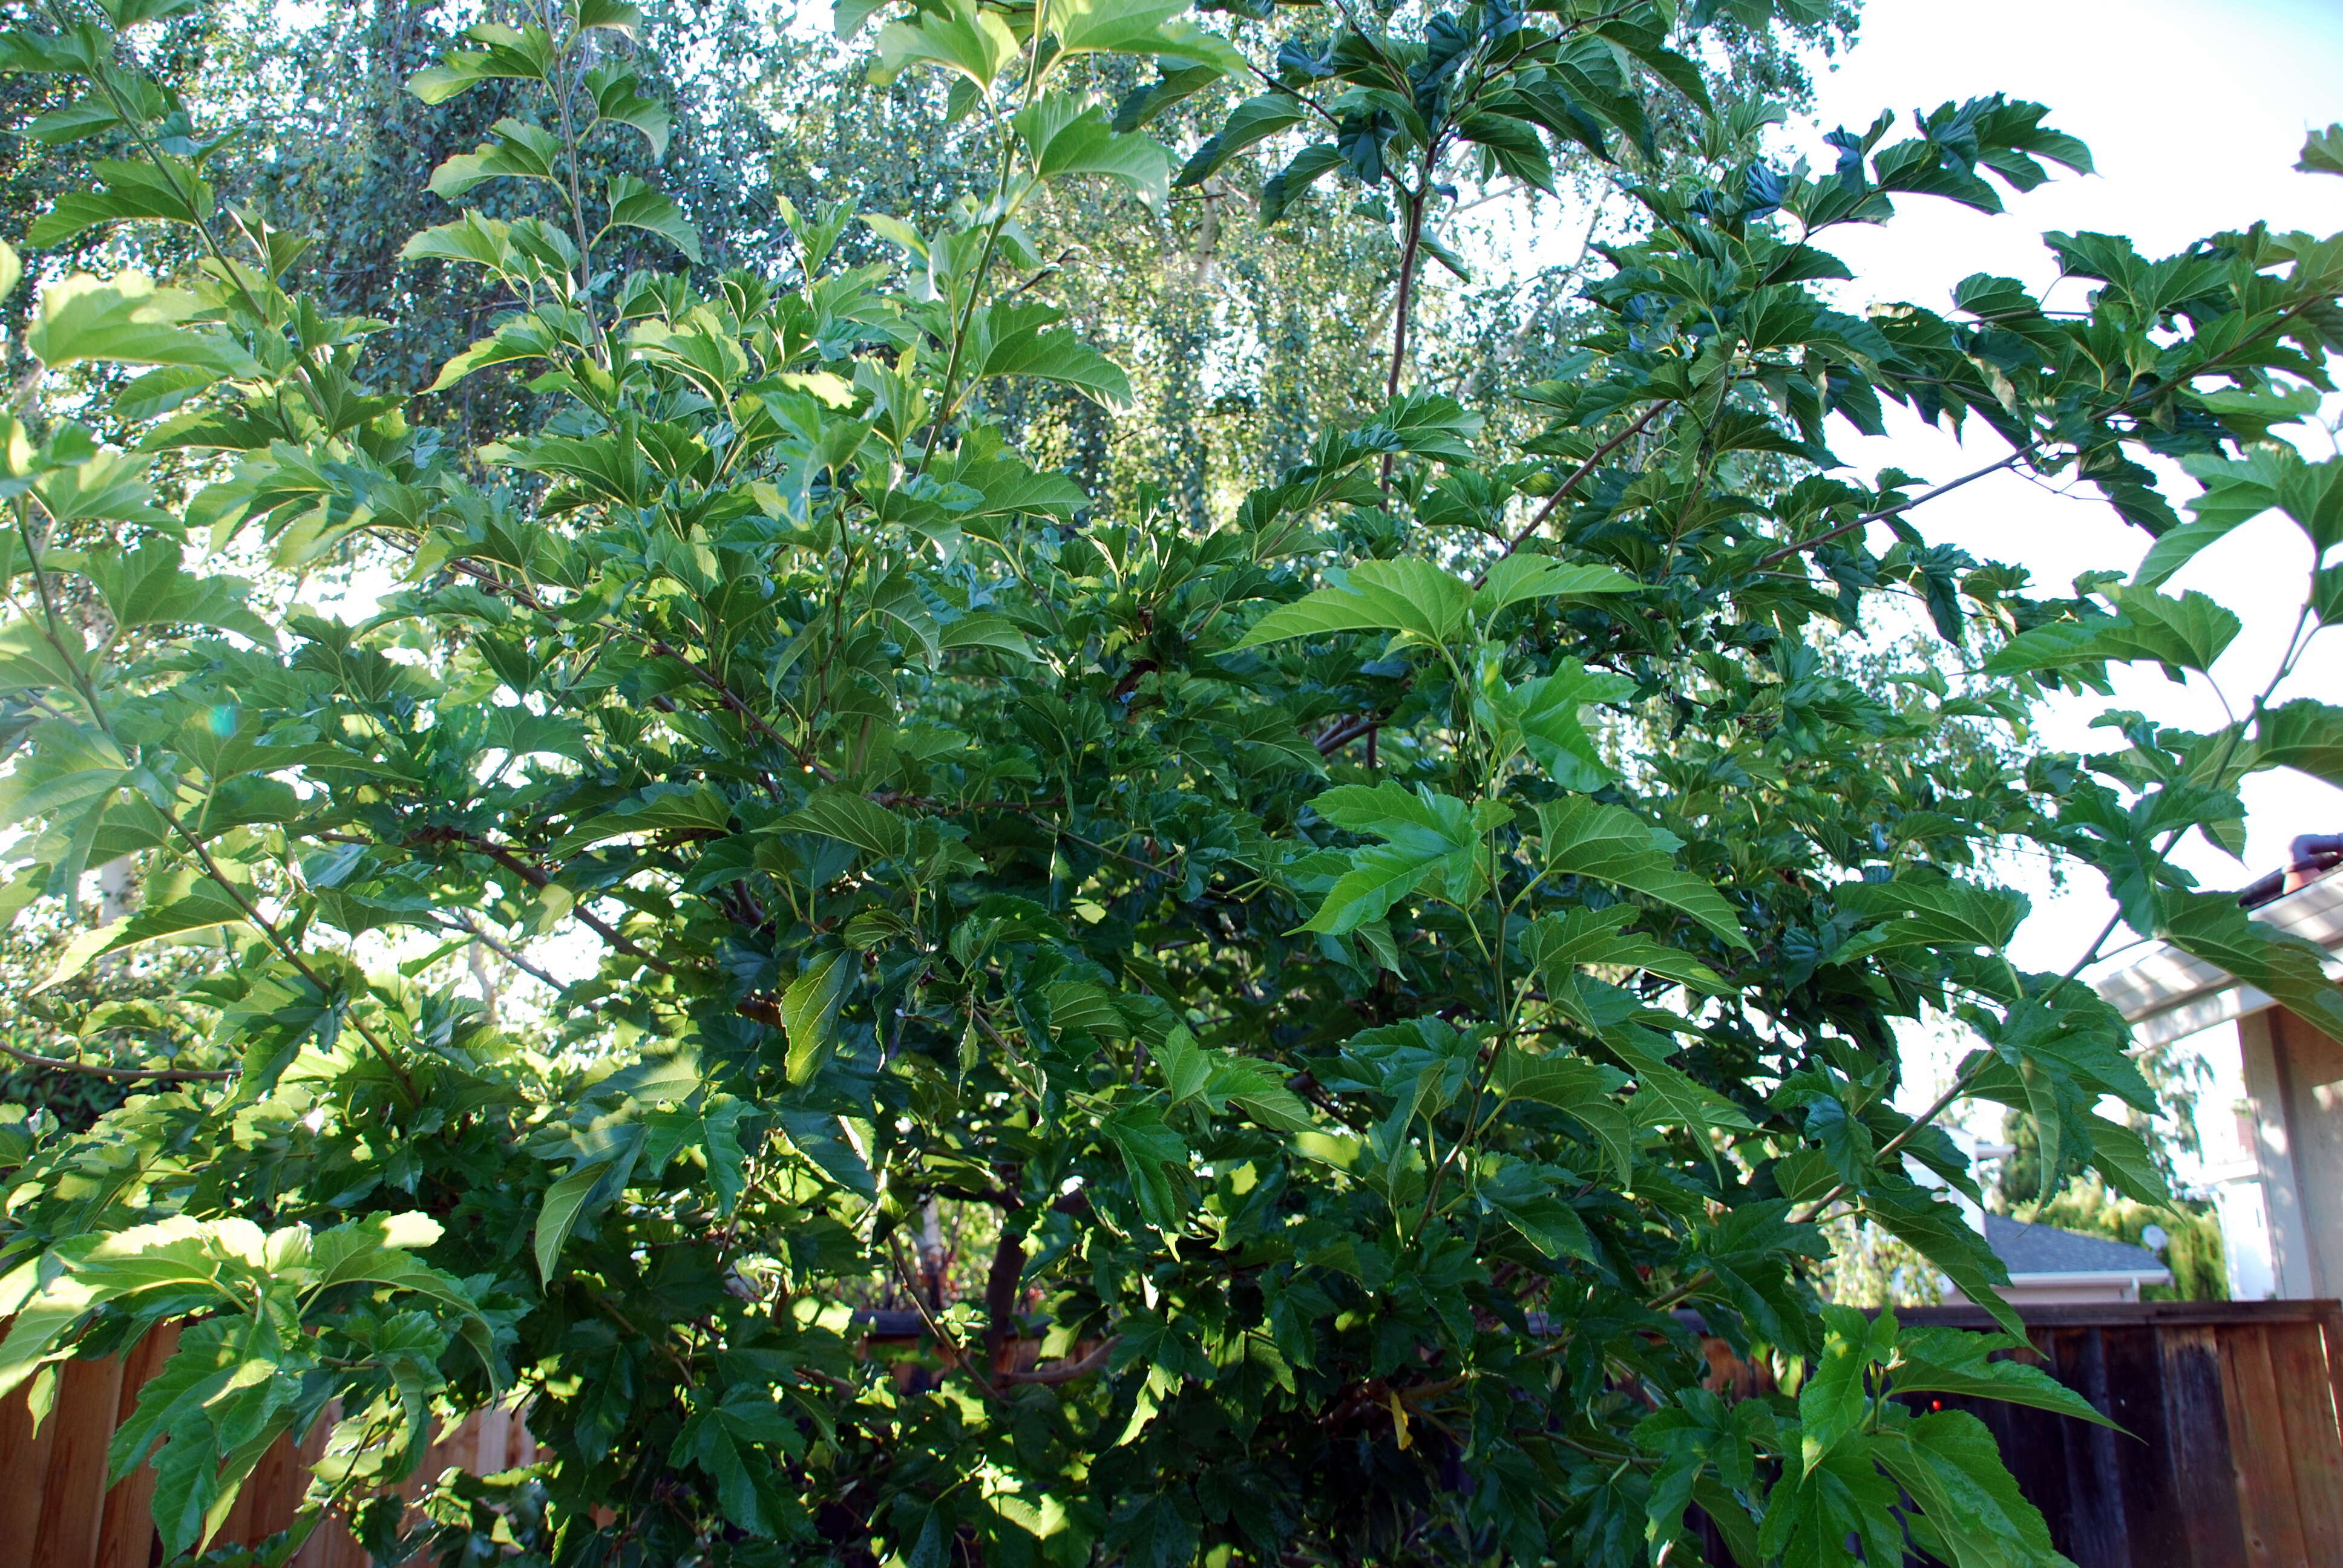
(2294,1081)
(2308,1084)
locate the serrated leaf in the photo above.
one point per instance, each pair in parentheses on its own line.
(1580,937)
(1413,598)
(850,819)
(1582,1089)
(1155,1158)
(1526,577)
(1013,338)
(1424,831)
(958,36)
(2322,152)
(1611,844)
(1146,28)
(618,101)
(986,629)
(125,320)
(2185,633)
(557,1215)
(1064,137)
(1950,1464)
(1936,914)
(1251,122)
(2210,925)
(634,204)
(1933,1360)
(809,1010)
(2305,735)
(520,151)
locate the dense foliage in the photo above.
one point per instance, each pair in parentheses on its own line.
(1358,957)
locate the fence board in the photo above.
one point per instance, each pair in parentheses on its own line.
(2258,1453)
(24,1471)
(2314,1446)
(73,1494)
(2196,1427)
(125,1535)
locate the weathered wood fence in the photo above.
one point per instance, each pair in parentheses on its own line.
(57,1511)
(2235,1458)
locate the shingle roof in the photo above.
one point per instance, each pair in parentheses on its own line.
(2046,1250)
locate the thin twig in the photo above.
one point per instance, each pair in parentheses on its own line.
(122,1074)
(1577,477)
(1882,514)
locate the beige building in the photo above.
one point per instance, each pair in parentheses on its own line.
(2280,1188)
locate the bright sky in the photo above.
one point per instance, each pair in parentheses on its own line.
(2195,114)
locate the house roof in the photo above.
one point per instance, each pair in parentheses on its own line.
(2026,1249)
(2166,994)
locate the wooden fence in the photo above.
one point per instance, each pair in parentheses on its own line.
(2235,1458)
(57,1511)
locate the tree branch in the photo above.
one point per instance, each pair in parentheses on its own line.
(120,1074)
(1865,521)
(1578,476)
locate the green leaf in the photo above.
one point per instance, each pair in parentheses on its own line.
(613,15)
(618,101)
(164,187)
(2322,152)
(125,320)
(1014,339)
(1950,1464)
(956,34)
(1558,945)
(1526,577)
(559,1214)
(810,1011)
(1938,1230)
(1613,845)
(1541,717)
(520,151)
(2290,970)
(1424,831)
(1251,122)
(2185,633)
(2234,492)
(1836,1393)
(1156,1159)
(1526,1200)
(634,204)
(1514,145)
(1957,1362)
(1147,28)
(850,819)
(2305,735)
(146,586)
(1666,1096)
(985,630)
(106,487)
(203,908)
(1584,1088)
(1413,598)
(2122,1156)
(507,54)
(1063,136)
(1936,914)
(1282,189)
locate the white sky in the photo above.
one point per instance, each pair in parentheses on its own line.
(2195,114)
